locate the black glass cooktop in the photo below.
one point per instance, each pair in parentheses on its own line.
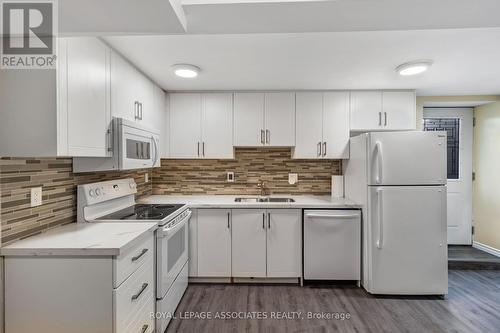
(143,212)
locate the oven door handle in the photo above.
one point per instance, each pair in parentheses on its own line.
(165,232)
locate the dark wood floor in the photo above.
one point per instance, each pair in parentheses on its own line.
(467,257)
(472,305)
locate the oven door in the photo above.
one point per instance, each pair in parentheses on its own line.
(138,148)
(172,254)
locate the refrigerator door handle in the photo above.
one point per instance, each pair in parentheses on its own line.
(380,219)
(378,151)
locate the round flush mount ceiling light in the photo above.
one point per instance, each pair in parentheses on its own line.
(414,67)
(186,70)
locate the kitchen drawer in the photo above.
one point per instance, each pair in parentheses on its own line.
(129,298)
(143,321)
(126,264)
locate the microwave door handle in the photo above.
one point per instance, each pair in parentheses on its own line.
(156,150)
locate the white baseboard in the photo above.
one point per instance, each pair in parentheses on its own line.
(486,248)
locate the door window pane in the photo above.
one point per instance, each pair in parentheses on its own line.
(452,128)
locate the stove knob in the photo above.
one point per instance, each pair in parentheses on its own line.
(92,193)
(97,192)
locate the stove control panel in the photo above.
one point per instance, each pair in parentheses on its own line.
(107,190)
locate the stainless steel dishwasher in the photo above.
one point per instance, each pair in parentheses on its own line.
(332,244)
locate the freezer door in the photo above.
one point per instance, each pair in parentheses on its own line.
(407,240)
(406,158)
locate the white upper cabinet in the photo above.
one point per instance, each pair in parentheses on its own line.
(201,125)
(309,128)
(249,119)
(88,112)
(279,119)
(379,111)
(322,125)
(264,119)
(185,125)
(217,125)
(336,125)
(399,110)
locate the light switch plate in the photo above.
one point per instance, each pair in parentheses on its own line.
(36,196)
(293,178)
(230,177)
(146,177)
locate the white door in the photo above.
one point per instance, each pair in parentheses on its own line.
(123,88)
(217,125)
(399,109)
(309,124)
(185,125)
(88,104)
(336,125)
(280,119)
(249,242)
(407,158)
(407,242)
(249,119)
(366,110)
(458,123)
(284,251)
(214,242)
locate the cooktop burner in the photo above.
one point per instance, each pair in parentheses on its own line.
(143,212)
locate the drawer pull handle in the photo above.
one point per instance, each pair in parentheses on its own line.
(144,328)
(137,257)
(136,296)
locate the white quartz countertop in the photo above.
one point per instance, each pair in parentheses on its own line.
(82,239)
(227,201)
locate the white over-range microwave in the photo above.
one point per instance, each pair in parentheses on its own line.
(133,146)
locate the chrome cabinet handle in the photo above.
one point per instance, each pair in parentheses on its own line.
(140,104)
(136,296)
(269,220)
(385,118)
(198,149)
(203,148)
(144,328)
(137,257)
(324,148)
(136,110)
(228,220)
(263,220)
(268,136)
(319,148)
(262,135)
(380,118)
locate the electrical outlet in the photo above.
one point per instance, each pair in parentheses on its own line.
(230,177)
(146,177)
(293,178)
(36,196)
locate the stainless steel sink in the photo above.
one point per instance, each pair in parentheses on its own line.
(264,200)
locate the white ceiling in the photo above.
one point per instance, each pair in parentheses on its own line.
(466,61)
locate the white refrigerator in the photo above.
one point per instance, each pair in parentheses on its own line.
(399,178)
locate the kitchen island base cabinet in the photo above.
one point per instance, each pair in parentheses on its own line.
(80,294)
(214,242)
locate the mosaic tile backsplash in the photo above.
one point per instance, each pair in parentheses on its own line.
(19,175)
(251,165)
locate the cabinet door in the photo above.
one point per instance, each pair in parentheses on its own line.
(214,242)
(309,110)
(399,110)
(249,242)
(284,239)
(123,88)
(248,119)
(280,119)
(88,104)
(217,125)
(146,96)
(366,110)
(336,125)
(185,125)
(193,244)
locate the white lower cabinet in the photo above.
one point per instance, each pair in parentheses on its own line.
(249,243)
(214,242)
(266,243)
(81,294)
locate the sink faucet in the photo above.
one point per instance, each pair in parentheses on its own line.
(264,190)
